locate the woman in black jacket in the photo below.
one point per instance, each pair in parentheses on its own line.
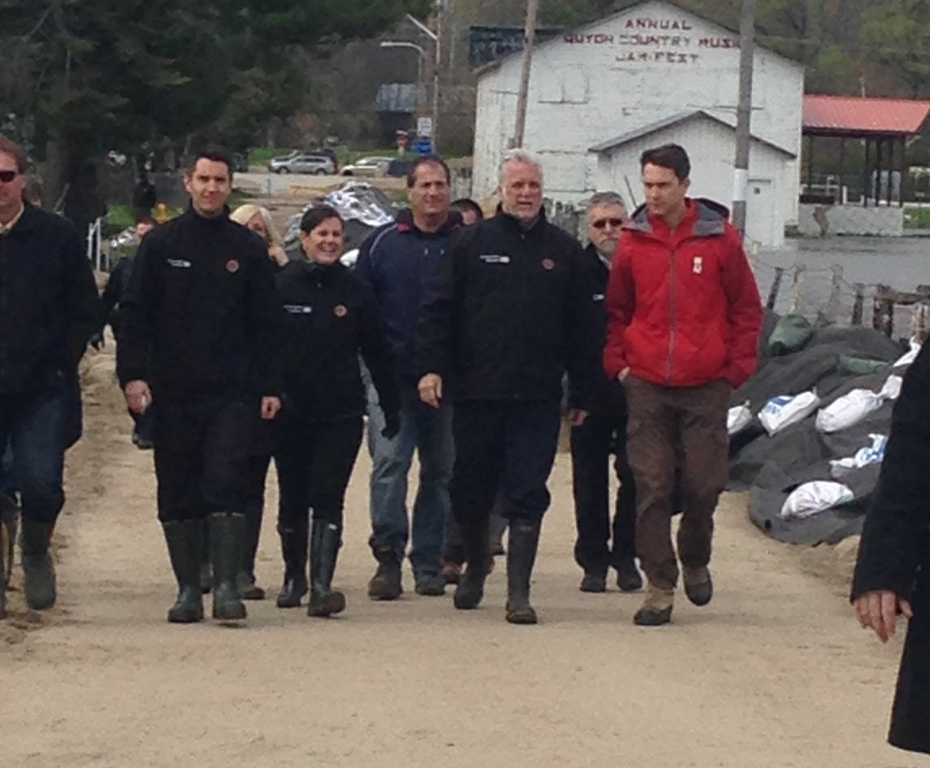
(893,570)
(331,318)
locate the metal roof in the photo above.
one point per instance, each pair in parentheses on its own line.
(853,116)
(668,122)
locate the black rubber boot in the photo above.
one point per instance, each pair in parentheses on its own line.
(294,545)
(226,555)
(387,583)
(3,558)
(324,550)
(206,570)
(185,543)
(470,590)
(521,556)
(37,564)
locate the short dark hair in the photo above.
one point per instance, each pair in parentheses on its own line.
(467,204)
(214,155)
(427,160)
(671,156)
(10,147)
(316,215)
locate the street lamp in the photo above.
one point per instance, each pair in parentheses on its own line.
(424,57)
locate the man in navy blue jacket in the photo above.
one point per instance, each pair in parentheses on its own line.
(49,307)
(397,260)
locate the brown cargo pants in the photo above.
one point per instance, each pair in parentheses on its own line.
(670,426)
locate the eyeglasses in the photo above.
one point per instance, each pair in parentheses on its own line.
(601,223)
(7,176)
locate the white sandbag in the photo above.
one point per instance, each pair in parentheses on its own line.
(910,357)
(871,454)
(892,388)
(811,498)
(738,418)
(783,411)
(848,410)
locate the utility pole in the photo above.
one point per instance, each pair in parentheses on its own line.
(532,9)
(744,113)
(436,38)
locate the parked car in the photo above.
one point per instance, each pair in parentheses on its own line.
(302,163)
(368,166)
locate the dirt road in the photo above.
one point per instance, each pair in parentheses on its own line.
(774,673)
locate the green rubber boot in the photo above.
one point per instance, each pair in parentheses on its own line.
(185,542)
(324,549)
(38,568)
(226,534)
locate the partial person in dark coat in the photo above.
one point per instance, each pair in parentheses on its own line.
(892,575)
(332,317)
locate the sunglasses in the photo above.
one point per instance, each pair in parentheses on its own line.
(7,176)
(601,223)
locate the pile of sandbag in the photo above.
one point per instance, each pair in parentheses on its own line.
(808,431)
(363,208)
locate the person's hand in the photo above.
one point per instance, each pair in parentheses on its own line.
(270,407)
(138,397)
(879,611)
(96,341)
(391,426)
(577,417)
(621,377)
(430,388)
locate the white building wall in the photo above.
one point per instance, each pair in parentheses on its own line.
(638,67)
(711,147)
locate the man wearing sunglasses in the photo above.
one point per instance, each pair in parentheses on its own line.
(602,433)
(48,310)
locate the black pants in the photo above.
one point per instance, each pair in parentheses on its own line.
(502,446)
(254,508)
(314,462)
(455,543)
(602,434)
(202,450)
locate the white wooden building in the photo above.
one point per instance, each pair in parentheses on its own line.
(649,75)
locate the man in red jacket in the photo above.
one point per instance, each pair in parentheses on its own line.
(684,318)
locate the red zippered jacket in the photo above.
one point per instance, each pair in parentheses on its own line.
(683,307)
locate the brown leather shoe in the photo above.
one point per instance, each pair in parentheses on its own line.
(656,609)
(451,572)
(699,587)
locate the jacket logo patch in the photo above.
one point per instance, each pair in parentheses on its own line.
(179,263)
(298,309)
(598,297)
(698,265)
(494,258)
(232,266)
(548,264)
(340,310)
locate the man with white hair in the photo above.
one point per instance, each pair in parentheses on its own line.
(501,321)
(601,544)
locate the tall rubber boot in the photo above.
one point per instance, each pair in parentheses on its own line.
(226,554)
(521,556)
(294,543)
(38,567)
(324,550)
(9,515)
(185,543)
(3,555)
(476,536)
(206,571)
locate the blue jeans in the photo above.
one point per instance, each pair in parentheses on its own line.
(35,426)
(429,432)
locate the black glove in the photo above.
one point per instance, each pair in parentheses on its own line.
(96,341)
(391,426)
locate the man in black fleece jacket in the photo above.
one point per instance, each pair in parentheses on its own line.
(49,308)
(199,344)
(506,314)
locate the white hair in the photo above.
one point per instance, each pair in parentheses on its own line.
(523,157)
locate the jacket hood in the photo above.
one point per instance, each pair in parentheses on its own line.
(711,220)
